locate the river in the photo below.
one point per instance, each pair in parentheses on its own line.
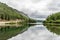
(36,32)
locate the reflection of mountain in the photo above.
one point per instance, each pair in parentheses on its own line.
(54,28)
(7,32)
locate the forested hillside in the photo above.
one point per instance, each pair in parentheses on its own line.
(8,13)
(54,18)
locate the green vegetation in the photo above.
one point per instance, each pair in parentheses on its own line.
(10,15)
(32,20)
(54,18)
(52,23)
(7,13)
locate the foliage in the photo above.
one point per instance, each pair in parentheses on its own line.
(54,18)
(8,13)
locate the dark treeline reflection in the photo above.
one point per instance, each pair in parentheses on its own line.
(53,28)
(7,32)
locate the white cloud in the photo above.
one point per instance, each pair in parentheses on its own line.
(43,7)
(28,4)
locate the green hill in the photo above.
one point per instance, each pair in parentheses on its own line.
(8,13)
(54,18)
(52,23)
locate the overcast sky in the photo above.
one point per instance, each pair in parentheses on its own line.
(35,7)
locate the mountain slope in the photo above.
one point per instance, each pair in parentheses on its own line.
(8,13)
(54,18)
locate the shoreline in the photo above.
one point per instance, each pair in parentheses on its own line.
(11,21)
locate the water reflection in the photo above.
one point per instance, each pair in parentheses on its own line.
(30,32)
(7,32)
(36,32)
(53,28)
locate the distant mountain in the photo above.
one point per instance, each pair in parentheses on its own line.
(39,16)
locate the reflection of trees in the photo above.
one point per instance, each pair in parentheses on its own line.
(54,29)
(7,32)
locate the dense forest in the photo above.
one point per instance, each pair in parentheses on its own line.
(54,18)
(8,13)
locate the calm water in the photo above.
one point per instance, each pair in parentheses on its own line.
(30,32)
(38,32)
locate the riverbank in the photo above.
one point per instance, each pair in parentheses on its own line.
(11,21)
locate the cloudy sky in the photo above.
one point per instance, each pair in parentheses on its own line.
(35,8)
